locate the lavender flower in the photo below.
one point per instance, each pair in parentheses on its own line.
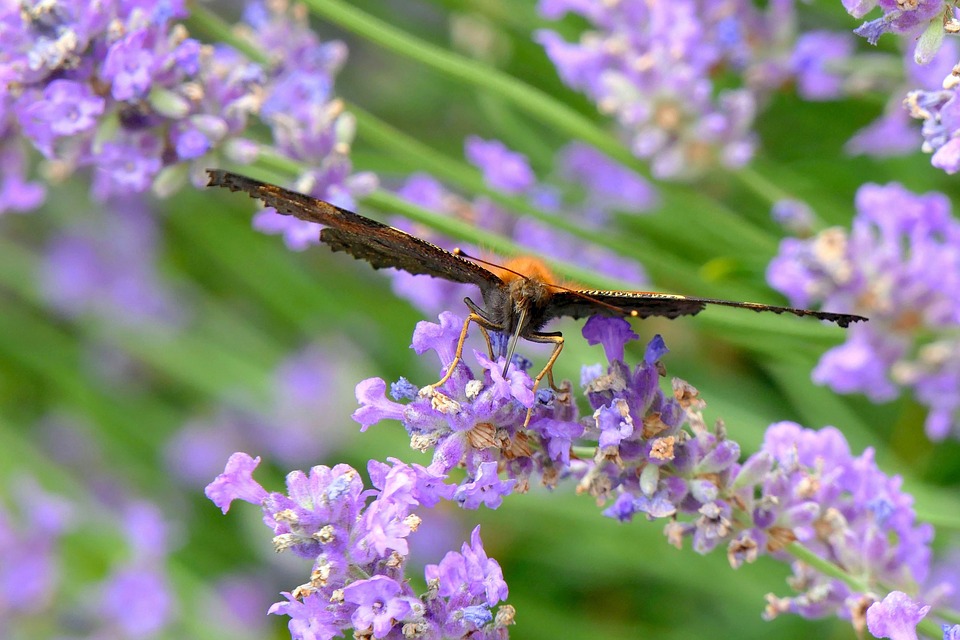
(896,616)
(905,18)
(506,170)
(106,266)
(476,421)
(651,66)
(900,266)
(29,557)
(843,508)
(816,56)
(357,541)
(120,88)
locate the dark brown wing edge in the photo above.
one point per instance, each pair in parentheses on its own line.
(381,245)
(620,303)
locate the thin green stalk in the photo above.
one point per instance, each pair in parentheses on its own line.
(825,567)
(539,104)
(458,174)
(209,24)
(760,185)
(490,241)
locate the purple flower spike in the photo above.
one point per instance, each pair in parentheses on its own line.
(380,604)
(503,169)
(371,394)
(487,489)
(815,59)
(895,617)
(612,333)
(470,572)
(236,482)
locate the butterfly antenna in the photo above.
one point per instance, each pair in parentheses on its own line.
(463,254)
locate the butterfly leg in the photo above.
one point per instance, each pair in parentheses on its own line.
(556,339)
(484,325)
(486,336)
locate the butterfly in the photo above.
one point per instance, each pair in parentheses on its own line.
(518,300)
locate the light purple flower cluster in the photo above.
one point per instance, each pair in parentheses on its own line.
(899,265)
(105,265)
(652,65)
(912,18)
(940,112)
(607,188)
(119,87)
(476,422)
(132,600)
(806,486)
(357,540)
(29,536)
(656,456)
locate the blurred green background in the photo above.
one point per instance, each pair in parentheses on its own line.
(125,391)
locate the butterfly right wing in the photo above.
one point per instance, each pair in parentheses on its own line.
(578,304)
(583,304)
(381,245)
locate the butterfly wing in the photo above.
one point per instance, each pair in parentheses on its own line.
(578,304)
(380,245)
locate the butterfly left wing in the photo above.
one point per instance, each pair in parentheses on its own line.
(379,244)
(578,304)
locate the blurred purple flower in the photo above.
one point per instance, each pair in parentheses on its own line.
(816,56)
(296,424)
(900,266)
(651,66)
(503,169)
(29,558)
(106,266)
(896,617)
(609,186)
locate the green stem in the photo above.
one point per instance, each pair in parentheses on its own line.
(825,567)
(494,242)
(460,175)
(760,185)
(539,104)
(205,22)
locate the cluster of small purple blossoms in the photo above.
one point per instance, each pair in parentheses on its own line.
(357,541)
(104,264)
(900,266)
(607,188)
(652,66)
(119,87)
(477,422)
(656,457)
(132,599)
(939,110)
(928,21)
